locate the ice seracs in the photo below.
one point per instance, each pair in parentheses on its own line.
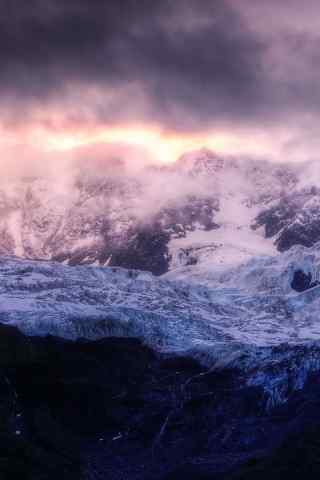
(247,316)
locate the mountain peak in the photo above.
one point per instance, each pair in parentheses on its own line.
(200,162)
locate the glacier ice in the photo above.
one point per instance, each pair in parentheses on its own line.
(246,316)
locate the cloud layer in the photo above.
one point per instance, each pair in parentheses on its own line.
(182,65)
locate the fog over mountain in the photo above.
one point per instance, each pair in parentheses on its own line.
(205,207)
(159,240)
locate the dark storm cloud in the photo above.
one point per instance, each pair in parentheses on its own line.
(181,63)
(195,58)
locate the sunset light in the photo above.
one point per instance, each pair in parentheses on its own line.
(160,145)
(159,239)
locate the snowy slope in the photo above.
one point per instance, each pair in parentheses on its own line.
(204,210)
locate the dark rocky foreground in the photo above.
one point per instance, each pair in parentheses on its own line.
(113,409)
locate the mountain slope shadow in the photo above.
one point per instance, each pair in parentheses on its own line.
(115,409)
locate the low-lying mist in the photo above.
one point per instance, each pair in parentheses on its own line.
(154,185)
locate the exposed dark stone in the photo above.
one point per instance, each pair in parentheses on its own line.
(294,220)
(276,218)
(302,281)
(114,409)
(143,248)
(146,249)
(306,234)
(144,245)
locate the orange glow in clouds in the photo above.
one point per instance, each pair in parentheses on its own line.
(164,147)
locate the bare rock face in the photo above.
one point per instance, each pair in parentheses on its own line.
(294,220)
(113,407)
(303,281)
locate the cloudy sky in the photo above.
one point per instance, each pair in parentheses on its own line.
(238,76)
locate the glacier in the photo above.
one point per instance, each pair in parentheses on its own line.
(245,316)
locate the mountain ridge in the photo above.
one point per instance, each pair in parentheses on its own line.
(149,220)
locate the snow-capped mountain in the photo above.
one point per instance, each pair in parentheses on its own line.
(203,209)
(221,345)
